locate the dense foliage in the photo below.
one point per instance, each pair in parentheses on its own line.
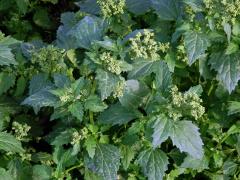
(119,89)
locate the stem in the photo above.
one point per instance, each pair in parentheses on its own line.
(72,168)
(91,117)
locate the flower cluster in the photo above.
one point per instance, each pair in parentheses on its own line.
(111,7)
(76,137)
(49,59)
(20,130)
(144,46)
(110,62)
(181,53)
(119,89)
(185,104)
(224,10)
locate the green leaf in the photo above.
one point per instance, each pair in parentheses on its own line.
(196,5)
(76,110)
(38,82)
(9,143)
(61,80)
(162,129)
(127,155)
(106,83)
(42,18)
(88,30)
(134,94)
(230,167)
(196,44)
(228,68)
(141,68)
(117,115)
(90,144)
(6,56)
(196,164)
(106,161)
(5,174)
(22,5)
(19,170)
(42,172)
(63,137)
(167,9)
(94,104)
(186,137)
(138,6)
(154,163)
(163,77)
(7,81)
(233,107)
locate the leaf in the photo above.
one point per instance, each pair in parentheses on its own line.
(196,90)
(42,18)
(61,80)
(7,81)
(141,68)
(22,5)
(196,164)
(196,44)
(228,68)
(38,82)
(127,155)
(163,77)
(41,172)
(162,129)
(106,83)
(94,104)
(87,31)
(6,56)
(9,143)
(230,167)
(76,110)
(106,161)
(90,144)
(138,7)
(154,163)
(167,9)
(228,30)
(62,138)
(5,174)
(117,115)
(42,98)
(186,137)
(134,94)
(196,5)
(89,6)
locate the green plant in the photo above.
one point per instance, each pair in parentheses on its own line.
(129,89)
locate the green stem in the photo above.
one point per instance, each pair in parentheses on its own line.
(72,168)
(91,117)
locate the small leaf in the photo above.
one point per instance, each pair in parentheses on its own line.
(154,163)
(42,19)
(128,154)
(186,137)
(5,174)
(7,81)
(9,143)
(94,104)
(196,164)
(196,44)
(138,7)
(76,110)
(230,167)
(117,115)
(90,144)
(41,172)
(141,68)
(106,161)
(6,56)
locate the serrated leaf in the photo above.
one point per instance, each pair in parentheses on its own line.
(38,82)
(94,104)
(89,6)
(90,144)
(6,56)
(196,164)
(76,110)
(141,68)
(154,163)
(61,80)
(230,167)
(106,161)
(185,136)
(196,44)
(106,83)
(42,172)
(9,143)
(127,155)
(138,7)
(162,129)
(134,94)
(167,9)
(63,137)
(7,81)
(117,115)
(5,174)
(228,68)
(87,31)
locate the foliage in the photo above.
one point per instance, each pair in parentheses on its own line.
(119,89)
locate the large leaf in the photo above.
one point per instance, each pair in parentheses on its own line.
(167,9)
(76,110)
(117,114)
(7,80)
(228,68)
(87,31)
(5,174)
(9,143)
(154,163)
(196,44)
(106,83)
(89,6)
(106,161)
(134,94)
(197,164)
(186,137)
(162,128)
(138,6)
(6,56)
(41,172)
(141,68)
